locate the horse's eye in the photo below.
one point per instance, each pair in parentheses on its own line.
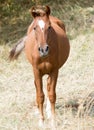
(49,27)
(34,28)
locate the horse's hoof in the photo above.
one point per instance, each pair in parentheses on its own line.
(41,123)
(53,124)
(36,111)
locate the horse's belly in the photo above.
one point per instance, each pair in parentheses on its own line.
(63,53)
(63,45)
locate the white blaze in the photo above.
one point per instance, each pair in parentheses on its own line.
(41,24)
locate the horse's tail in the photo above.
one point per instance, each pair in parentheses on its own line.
(17,49)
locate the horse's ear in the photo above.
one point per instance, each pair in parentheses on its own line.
(48,11)
(33,11)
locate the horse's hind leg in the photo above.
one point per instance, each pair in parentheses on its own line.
(51,85)
(39,95)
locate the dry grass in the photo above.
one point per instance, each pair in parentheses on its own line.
(75,86)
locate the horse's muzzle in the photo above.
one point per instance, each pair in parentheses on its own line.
(43,50)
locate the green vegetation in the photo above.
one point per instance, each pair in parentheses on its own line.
(15,17)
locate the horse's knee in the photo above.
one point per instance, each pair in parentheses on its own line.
(52,98)
(40,98)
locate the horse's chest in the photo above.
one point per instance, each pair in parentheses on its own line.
(45,67)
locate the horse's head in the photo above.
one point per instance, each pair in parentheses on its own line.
(41,26)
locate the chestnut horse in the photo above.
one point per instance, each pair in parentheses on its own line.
(47,49)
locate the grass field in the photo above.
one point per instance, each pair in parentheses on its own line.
(75,86)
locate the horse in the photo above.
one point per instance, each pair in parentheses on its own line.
(47,49)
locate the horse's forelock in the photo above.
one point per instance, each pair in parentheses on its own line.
(40,11)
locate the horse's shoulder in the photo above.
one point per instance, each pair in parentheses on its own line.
(58,22)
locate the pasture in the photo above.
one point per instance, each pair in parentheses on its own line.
(75,85)
(75,90)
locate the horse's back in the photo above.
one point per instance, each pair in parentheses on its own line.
(58,22)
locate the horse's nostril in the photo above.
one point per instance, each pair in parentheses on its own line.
(47,48)
(40,49)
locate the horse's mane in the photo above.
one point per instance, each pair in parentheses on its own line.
(40,11)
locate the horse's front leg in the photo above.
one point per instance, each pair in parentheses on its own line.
(51,88)
(39,94)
